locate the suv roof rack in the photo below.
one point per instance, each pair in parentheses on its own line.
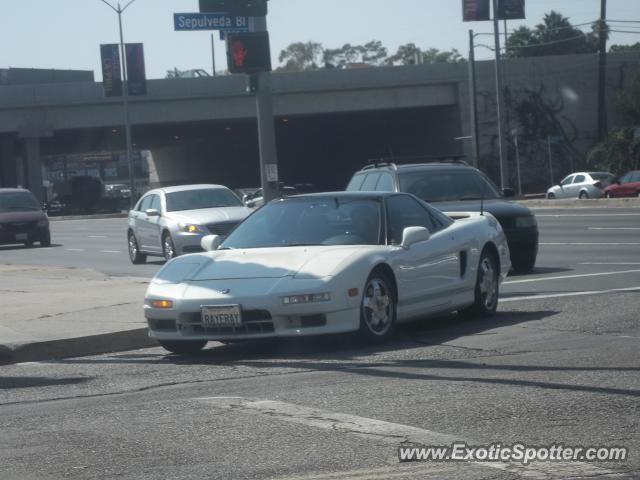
(393,161)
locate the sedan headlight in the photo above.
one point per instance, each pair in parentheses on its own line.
(192,228)
(526,222)
(306,298)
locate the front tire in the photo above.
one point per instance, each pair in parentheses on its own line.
(46,241)
(182,347)
(377,308)
(487,288)
(168,248)
(134,251)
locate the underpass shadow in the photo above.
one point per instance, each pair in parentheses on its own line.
(541,271)
(28,382)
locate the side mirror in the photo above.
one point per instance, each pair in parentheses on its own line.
(152,212)
(508,192)
(210,242)
(412,235)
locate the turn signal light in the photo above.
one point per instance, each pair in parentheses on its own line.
(162,304)
(352,292)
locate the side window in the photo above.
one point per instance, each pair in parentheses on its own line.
(144,203)
(439,219)
(385,184)
(567,181)
(155,202)
(402,212)
(579,179)
(625,178)
(369,184)
(356,182)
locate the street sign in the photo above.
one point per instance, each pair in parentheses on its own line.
(249,8)
(511,9)
(209,21)
(475,10)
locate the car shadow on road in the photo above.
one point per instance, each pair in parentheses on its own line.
(27,382)
(540,271)
(7,248)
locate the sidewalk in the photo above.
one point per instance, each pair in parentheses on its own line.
(50,312)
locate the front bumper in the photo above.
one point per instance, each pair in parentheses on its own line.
(185,242)
(263,314)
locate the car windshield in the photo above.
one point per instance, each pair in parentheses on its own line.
(310,221)
(445,186)
(202,198)
(12,201)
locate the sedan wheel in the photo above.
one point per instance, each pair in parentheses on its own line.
(583,195)
(551,196)
(168,249)
(378,308)
(487,288)
(134,252)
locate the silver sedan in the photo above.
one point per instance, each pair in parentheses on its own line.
(171,221)
(581,185)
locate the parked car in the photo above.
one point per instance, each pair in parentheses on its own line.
(582,185)
(329,263)
(626,186)
(453,187)
(22,219)
(171,221)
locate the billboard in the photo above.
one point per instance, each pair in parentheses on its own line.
(475,10)
(136,76)
(511,9)
(111,74)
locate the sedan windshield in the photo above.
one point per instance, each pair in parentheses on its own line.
(13,201)
(203,198)
(447,186)
(310,221)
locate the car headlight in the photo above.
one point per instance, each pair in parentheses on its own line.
(306,298)
(192,228)
(526,222)
(43,223)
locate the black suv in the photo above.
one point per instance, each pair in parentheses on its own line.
(456,187)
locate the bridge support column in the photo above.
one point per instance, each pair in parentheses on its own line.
(34,167)
(9,165)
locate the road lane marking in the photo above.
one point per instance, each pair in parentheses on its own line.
(570,294)
(614,228)
(402,471)
(562,277)
(393,433)
(110,251)
(609,263)
(591,243)
(75,249)
(589,215)
(97,236)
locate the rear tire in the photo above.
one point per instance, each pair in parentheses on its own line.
(182,346)
(583,195)
(487,290)
(46,241)
(134,251)
(551,196)
(377,308)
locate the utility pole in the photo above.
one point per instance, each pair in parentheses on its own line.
(603,129)
(125,101)
(502,149)
(475,140)
(213,55)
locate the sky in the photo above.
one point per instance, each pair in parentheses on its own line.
(66,34)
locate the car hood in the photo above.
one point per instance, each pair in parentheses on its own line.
(496,207)
(21,216)
(206,216)
(301,262)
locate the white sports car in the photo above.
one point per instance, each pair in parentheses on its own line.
(329,263)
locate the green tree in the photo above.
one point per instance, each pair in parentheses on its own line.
(371,53)
(300,56)
(410,54)
(625,48)
(621,150)
(555,36)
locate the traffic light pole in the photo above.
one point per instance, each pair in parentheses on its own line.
(502,147)
(266,128)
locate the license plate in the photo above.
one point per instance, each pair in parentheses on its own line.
(21,236)
(221,316)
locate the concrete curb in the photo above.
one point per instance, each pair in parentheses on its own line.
(76,347)
(587,203)
(98,216)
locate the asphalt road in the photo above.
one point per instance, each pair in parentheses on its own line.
(558,364)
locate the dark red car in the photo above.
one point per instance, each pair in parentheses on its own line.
(22,219)
(626,186)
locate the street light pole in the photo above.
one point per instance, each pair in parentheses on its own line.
(502,148)
(125,101)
